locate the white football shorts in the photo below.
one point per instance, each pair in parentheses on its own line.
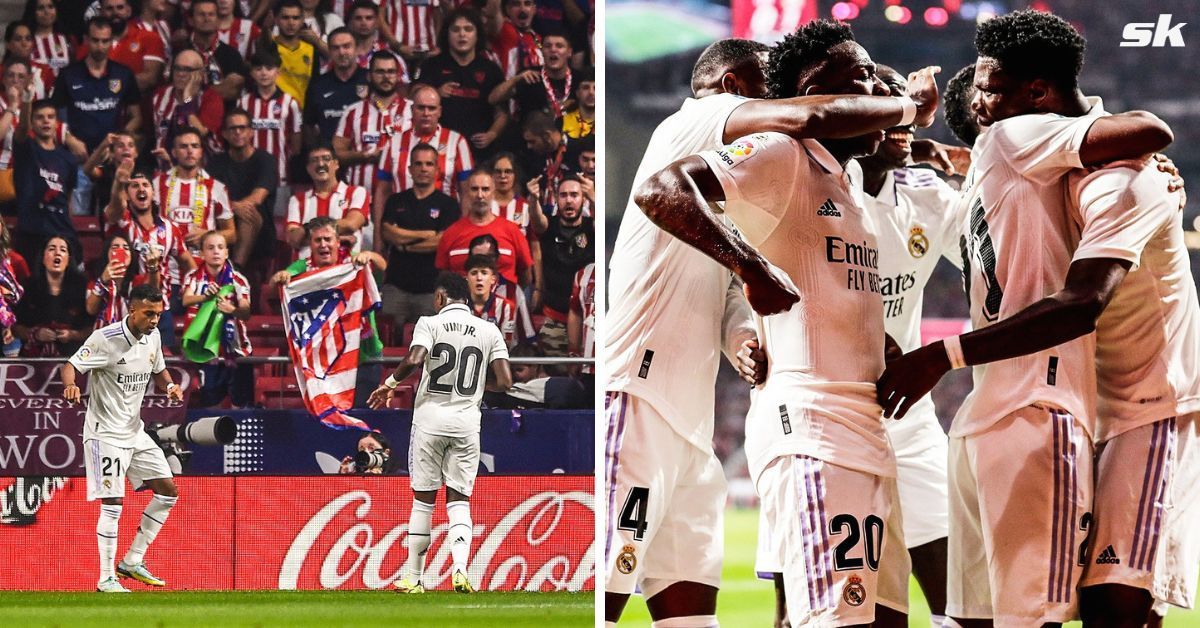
(665,503)
(434,460)
(108,466)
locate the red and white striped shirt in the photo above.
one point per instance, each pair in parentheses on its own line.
(516,211)
(162,107)
(368,126)
(196,203)
(412,23)
(197,281)
(501,312)
(274,120)
(241,35)
(164,236)
(304,206)
(454,158)
(583,301)
(53,50)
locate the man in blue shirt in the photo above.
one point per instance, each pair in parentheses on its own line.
(44,176)
(98,96)
(330,94)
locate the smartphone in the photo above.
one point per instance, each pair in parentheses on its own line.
(121,257)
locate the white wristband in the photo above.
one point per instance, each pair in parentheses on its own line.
(910,110)
(391,382)
(954,351)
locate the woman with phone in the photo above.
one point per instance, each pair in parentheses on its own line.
(108,294)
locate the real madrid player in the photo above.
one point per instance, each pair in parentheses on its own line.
(456,351)
(122,359)
(1017,530)
(815,442)
(673,310)
(918,218)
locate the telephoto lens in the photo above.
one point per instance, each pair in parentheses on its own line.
(369,460)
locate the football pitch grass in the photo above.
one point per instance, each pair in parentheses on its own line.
(748,601)
(323,609)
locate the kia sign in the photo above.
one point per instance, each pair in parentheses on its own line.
(532,533)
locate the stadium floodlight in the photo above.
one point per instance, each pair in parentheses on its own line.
(936,17)
(844,11)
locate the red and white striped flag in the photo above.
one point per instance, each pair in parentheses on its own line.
(325,311)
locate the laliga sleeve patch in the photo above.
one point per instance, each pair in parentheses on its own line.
(739,151)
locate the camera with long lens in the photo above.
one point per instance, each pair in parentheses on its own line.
(370,460)
(204,432)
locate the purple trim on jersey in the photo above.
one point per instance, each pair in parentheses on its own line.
(765,575)
(806,524)
(96,462)
(1150,506)
(826,562)
(612,452)
(1056,518)
(1072,493)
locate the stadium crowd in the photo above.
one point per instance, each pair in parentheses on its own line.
(199,144)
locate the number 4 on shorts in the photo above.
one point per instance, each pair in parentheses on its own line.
(634,512)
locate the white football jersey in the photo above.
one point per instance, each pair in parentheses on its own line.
(1019,241)
(1148,339)
(792,201)
(461,349)
(918,219)
(121,368)
(667,300)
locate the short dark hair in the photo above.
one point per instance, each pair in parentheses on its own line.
(234,111)
(455,286)
(265,56)
(469,14)
(341,30)
(43,103)
(320,222)
(486,238)
(145,292)
(722,56)
(800,53)
(284,4)
(187,130)
(320,144)
(376,434)
(512,159)
(539,122)
(960,90)
(192,10)
(363,4)
(98,21)
(480,261)
(10,31)
(423,146)
(381,54)
(1033,45)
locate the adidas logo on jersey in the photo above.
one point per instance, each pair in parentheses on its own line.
(828,209)
(1108,557)
(121,361)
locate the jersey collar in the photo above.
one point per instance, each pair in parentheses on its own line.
(128,332)
(456,306)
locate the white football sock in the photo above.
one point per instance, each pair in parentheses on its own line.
(106,538)
(153,518)
(418,539)
(691,621)
(610,624)
(459,533)
(949,622)
(936,621)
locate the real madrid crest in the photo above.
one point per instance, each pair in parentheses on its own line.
(918,244)
(626,561)
(854,592)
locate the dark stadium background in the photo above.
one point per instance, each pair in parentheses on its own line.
(653,81)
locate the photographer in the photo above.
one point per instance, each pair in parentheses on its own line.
(380,463)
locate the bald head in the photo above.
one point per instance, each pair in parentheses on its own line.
(730,65)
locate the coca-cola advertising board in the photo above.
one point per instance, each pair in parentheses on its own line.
(532,533)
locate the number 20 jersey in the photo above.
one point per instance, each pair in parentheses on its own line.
(792,202)
(461,350)
(1017,246)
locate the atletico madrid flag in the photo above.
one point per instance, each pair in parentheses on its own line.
(325,312)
